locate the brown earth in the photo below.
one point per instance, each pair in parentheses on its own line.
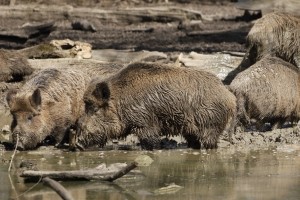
(181,26)
(199,26)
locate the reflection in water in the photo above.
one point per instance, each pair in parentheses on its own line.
(213,174)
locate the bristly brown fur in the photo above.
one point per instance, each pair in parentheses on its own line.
(268,91)
(152,100)
(276,34)
(50,102)
(13,66)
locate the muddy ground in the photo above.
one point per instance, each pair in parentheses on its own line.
(169,27)
(200,26)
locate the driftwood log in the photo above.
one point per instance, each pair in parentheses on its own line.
(101,172)
(28,31)
(126,15)
(58,188)
(58,49)
(108,174)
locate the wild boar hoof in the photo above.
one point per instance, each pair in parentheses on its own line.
(79,146)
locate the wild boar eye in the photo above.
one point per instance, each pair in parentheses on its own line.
(96,109)
(88,106)
(30,117)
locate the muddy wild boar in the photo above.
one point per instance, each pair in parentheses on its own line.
(276,34)
(50,102)
(13,66)
(267,92)
(152,100)
(47,104)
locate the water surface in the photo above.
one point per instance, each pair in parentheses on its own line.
(212,174)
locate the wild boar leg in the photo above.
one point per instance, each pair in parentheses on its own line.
(192,141)
(61,135)
(278,124)
(149,137)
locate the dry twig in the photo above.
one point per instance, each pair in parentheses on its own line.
(12,157)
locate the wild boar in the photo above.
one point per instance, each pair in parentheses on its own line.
(276,34)
(152,100)
(268,91)
(50,103)
(13,66)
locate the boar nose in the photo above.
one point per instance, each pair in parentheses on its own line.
(16,136)
(16,140)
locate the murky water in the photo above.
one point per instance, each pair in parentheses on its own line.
(213,174)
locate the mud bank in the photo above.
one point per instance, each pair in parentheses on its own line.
(218,63)
(207,35)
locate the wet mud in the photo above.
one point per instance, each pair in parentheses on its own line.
(172,27)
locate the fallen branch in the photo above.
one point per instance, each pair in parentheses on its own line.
(58,188)
(121,173)
(87,186)
(103,174)
(12,157)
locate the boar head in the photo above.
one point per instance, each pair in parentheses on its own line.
(100,121)
(29,125)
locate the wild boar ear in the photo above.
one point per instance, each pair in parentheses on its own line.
(101,91)
(36,99)
(10,97)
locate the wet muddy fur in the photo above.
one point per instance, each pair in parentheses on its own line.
(151,100)
(267,92)
(47,105)
(13,66)
(276,34)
